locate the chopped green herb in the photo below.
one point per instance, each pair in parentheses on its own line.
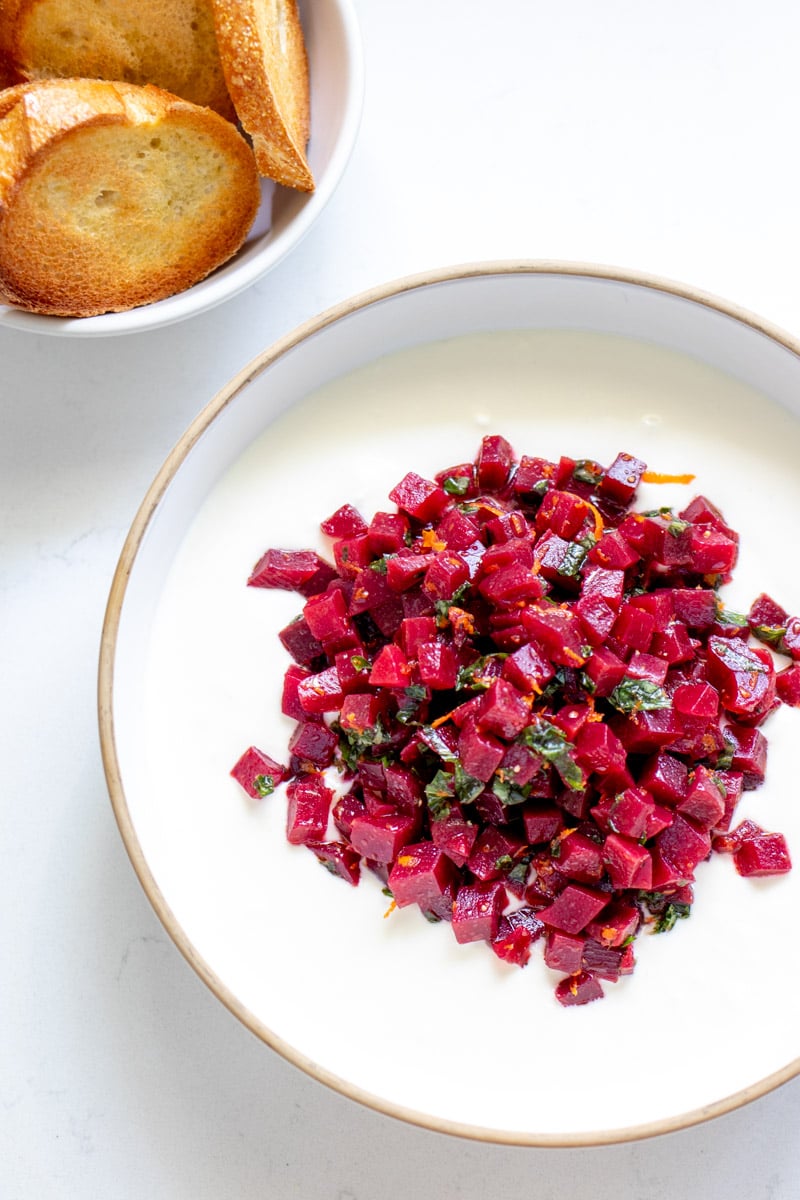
(771,634)
(725,757)
(673,913)
(359,663)
(676,527)
(504,863)
(572,561)
(442,607)
(379,565)
(586,471)
(413,697)
(725,617)
(456,485)
(468,788)
(519,872)
(639,695)
(474,674)
(435,741)
(264,785)
(507,793)
(551,744)
(439,794)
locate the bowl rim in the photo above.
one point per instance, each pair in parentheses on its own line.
(105,692)
(222,285)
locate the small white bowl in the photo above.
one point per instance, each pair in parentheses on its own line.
(336,70)
(560,358)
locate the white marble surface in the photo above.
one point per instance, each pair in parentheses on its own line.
(642,136)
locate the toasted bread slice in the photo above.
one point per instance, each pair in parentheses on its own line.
(113,195)
(263,54)
(169,43)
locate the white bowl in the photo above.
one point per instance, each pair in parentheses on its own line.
(336,69)
(393,1013)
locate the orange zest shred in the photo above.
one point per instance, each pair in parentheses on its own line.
(390,909)
(431,542)
(575,657)
(599,524)
(441,720)
(660,477)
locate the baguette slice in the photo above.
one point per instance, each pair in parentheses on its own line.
(263,55)
(169,43)
(113,196)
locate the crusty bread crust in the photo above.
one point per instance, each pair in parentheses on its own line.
(264,59)
(169,43)
(113,195)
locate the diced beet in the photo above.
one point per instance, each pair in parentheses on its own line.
(625,861)
(634,627)
(699,701)
(665,777)
(291,571)
(403,787)
(345,522)
(509,585)
(573,908)
(309,803)
(528,668)
(563,952)
(494,462)
(414,631)
(344,812)
(320,693)
(683,846)
(438,666)
(712,552)
(481,753)
(701,511)
(533,476)
(605,669)
(542,822)
(561,512)
(352,555)
(503,710)
(763,854)
(477,910)
(648,730)
(445,575)
(704,802)
(614,552)
(787,683)
(516,933)
(579,989)
(420,875)
(599,750)
(617,924)
(695,607)
(382,836)
(313,743)
(749,754)
(390,668)
(387,533)
(764,611)
(490,855)
(673,643)
(622,478)
(642,665)
(455,836)
(360,711)
(602,961)
(731,782)
(743,676)
(257,773)
(629,812)
(420,498)
(404,571)
(510,527)
(338,858)
(558,632)
(580,858)
(597,618)
(300,642)
(290,704)
(353,669)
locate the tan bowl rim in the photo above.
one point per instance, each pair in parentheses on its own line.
(125,565)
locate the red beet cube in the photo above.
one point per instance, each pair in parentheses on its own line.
(382,835)
(446,574)
(360,711)
(404,571)
(629,812)
(558,632)
(634,627)
(622,478)
(320,693)
(683,846)
(481,753)
(598,749)
(562,512)
(292,571)
(492,851)
(573,908)
(390,668)
(309,803)
(618,922)
(455,836)
(494,462)
(300,642)
(605,669)
(626,862)
(290,704)
(420,875)
(516,933)
(533,476)
(477,910)
(608,585)
(597,618)
(528,669)
(508,585)
(749,754)
(338,858)
(743,676)
(712,553)
(420,498)
(614,552)
(542,822)
(345,522)
(695,607)
(257,773)
(387,533)
(503,710)
(705,799)
(563,952)
(313,743)
(344,812)
(787,683)
(580,858)
(763,854)
(665,777)
(579,989)
(352,555)
(673,644)
(438,666)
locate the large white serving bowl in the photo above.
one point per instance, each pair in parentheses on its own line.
(561,358)
(336,72)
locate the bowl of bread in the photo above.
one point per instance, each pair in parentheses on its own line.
(157,159)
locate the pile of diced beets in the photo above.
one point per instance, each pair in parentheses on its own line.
(541,714)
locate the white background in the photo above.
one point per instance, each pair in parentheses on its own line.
(658,137)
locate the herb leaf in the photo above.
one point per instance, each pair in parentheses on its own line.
(639,695)
(439,794)
(456,485)
(264,785)
(551,744)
